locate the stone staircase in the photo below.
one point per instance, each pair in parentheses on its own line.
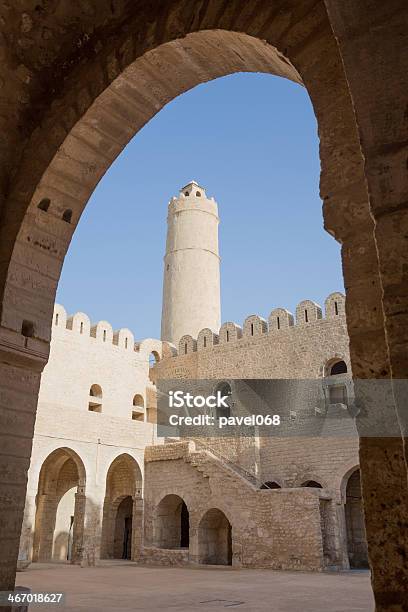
(208,463)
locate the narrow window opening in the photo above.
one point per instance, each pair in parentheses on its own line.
(185,348)
(81,328)
(56,318)
(306,317)
(126,342)
(27,329)
(44,204)
(104,335)
(278,322)
(227,335)
(67,215)
(336,308)
(198,194)
(205,341)
(252,329)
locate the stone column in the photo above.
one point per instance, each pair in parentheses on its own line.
(22,360)
(137,528)
(375,56)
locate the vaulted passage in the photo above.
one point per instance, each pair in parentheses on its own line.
(356,537)
(215,539)
(172,523)
(121,530)
(60,507)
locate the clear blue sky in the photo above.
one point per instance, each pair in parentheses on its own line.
(251,141)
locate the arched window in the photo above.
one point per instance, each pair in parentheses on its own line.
(224,390)
(95,399)
(339,367)
(198,194)
(138,412)
(67,215)
(154,358)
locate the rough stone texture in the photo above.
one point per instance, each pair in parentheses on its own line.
(68,74)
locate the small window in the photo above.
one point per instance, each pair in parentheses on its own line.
(126,342)
(56,318)
(227,335)
(312,484)
(154,358)
(252,329)
(95,391)
(137,416)
(27,329)
(81,328)
(224,389)
(67,215)
(205,341)
(95,399)
(336,308)
(278,322)
(270,485)
(186,193)
(306,317)
(185,348)
(198,194)
(339,367)
(104,335)
(138,401)
(44,204)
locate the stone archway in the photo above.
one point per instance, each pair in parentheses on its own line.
(355,530)
(171,527)
(60,508)
(83,94)
(215,539)
(122,522)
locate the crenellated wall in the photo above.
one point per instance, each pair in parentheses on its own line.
(254,326)
(282,347)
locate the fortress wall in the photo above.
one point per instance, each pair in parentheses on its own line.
(83,355)
(298,350)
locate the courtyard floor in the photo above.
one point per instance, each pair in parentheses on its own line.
(123,586)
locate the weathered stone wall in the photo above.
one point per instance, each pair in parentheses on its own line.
(277,529)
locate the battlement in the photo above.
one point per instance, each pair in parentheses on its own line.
(254,326)
(79,325)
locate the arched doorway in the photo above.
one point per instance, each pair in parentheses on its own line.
(215,539)
(60,502)
(122,545)
(121,529)
(356,537)
(171,523)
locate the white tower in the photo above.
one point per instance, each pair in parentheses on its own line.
(191,285)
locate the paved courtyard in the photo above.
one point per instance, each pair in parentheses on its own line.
(123,586)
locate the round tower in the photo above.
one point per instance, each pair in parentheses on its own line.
(191,285)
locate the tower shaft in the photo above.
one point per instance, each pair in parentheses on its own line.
(191,285)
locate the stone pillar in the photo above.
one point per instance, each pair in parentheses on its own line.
(137,528)
(78,527)
(92,529)
(375,56)
(22,360)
